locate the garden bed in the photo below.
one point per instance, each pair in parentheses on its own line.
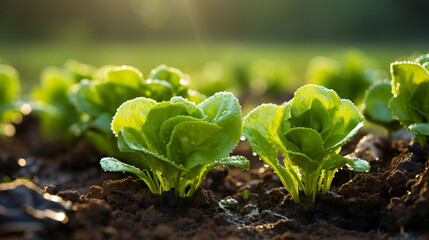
(391,200)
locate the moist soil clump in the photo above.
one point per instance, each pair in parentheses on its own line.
(389,201)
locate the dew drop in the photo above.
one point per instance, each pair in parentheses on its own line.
(243,138)
(254,153)
(266,165)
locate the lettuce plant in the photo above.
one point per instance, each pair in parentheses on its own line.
(9,93)
(58,117)
(309,131)
(376,105)
(50,102)
(410,101)
(178,141)
(99,98)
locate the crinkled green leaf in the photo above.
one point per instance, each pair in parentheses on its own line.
(259,128)
(132,113)
(168,126)
(193,143)
(171,75)
(377,105)
(158,90)
(124,75)
(419,102)
(223,109)
(192,108)
(82,97)
(317,117)
(157,115)
(406,78)
(304,97)
(112,95)
(347,120)
(132,140)
(307,141)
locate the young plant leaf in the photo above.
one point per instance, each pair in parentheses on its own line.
(308,130)
(179,141)
(376,108)
(409,104)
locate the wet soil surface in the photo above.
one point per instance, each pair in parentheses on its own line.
(71,197)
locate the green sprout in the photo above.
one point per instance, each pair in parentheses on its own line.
(309,131)
(178,141)
(410,101)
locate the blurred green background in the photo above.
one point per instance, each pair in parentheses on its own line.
(261,47)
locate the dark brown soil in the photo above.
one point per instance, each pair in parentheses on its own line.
(389,202)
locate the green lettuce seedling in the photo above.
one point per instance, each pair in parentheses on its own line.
(178,141)
(58,117)
(376,108)
(99,98)
(410,101)
(50,102)
(309,131)
(9,94)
